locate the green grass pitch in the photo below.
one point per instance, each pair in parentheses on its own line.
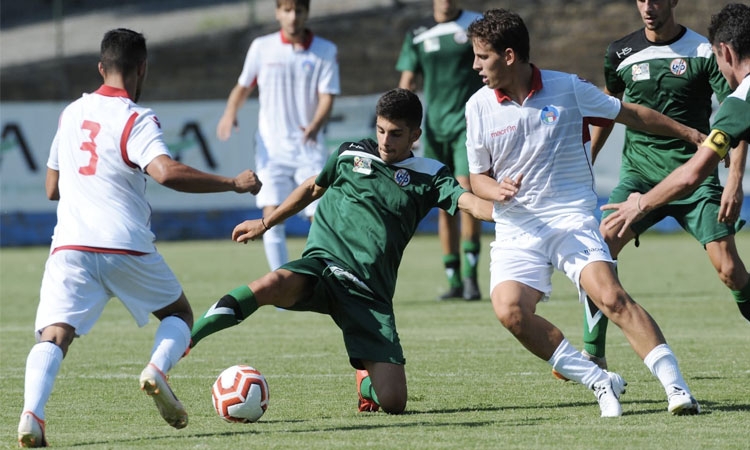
(471,385)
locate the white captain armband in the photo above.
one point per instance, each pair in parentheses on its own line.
(719,142)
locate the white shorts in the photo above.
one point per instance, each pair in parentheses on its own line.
(568,244)
(77,285)
(280,180)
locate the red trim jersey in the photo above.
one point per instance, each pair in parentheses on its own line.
(542,139)
(289,81)
(102,145)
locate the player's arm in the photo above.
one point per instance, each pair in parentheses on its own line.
(408,81)
(733,194)
(477,207)
(484,186)
(51,184)
(228,120)
(600,134)
(322,113)
(677,184)
(646,119)
(303,195)
(180,177)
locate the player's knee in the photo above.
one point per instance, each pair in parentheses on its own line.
(392,401)
(614,301)
(511,316)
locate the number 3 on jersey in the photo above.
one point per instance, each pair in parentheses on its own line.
(90,146)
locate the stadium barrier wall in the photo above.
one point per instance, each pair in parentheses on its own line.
(28,218)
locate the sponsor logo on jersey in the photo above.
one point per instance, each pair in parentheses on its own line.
(431,45)
(460,37)
(641,72)
(504,131)
(624,52)
(402,177)
(549,115)
(362,165)
(678,66)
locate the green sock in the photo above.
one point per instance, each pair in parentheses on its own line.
(594,341)
(742,297)
(232,309)
(471,259)
(452,264)
(365,388)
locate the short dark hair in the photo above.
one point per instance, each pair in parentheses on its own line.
(303,3)
(731,26)
(502,29)
(400,104)
(123,50)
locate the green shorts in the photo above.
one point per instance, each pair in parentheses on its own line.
(697,214)
(451,152)
(367,322)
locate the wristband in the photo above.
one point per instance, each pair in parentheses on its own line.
(638,203)
(263,222)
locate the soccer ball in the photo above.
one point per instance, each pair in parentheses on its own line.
(240,394)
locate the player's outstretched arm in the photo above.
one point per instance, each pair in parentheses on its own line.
(646,119)
(303,195)
(477,207)
(485,186)
(180,177)
(733,194)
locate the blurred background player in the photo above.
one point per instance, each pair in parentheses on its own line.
(102,245)
(438,53)
(379,190)
(540,178)
(297,76)
(670,68)
(729,35)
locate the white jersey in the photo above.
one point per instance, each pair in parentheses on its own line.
(103,142)
(541,139)
(289,82)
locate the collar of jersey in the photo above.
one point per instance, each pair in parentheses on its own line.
(305,44)
(536,85)
(110,91)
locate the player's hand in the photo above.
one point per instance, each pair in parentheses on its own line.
(225,126)
(697,138)
(248,230)
(625,214)
(731,201)
(508,188)
(247,181)
(309,135)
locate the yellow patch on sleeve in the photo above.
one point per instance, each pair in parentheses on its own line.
(719,142)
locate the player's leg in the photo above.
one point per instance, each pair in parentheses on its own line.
(471,229)
(600,282)
(732,272)
(281,287)
(384,385)
(448,234)
(278,183)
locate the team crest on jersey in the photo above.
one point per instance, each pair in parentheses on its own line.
(549,115)
(402,177)
(460,37)
(678,66)
(308,66)
(362,165)
(641,72)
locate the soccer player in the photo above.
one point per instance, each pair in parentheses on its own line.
(102,245)
(372,197)
(297,76)
(439,52)
(729,35)
(528,154)
(671,69)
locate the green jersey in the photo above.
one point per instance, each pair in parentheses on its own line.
(677,79)
(733,117)
(443,54)
(371,210)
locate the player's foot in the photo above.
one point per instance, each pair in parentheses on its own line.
(608,394)
(31,431)
(471,289)
(601,362)
(681,403)
(452,293)
(364,404)
(154,383)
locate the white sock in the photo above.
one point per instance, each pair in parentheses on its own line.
(42,366)
(274,243)
(663,364)
(171,340)
(574,366)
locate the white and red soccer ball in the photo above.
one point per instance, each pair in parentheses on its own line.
(240,394)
